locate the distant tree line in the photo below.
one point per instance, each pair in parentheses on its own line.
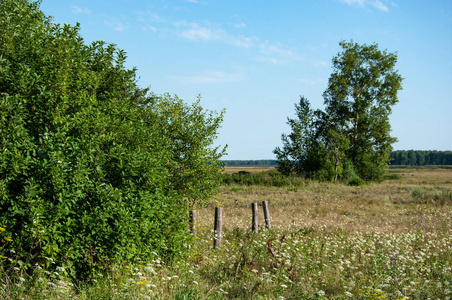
(261,162)
(421,157)
(399,157)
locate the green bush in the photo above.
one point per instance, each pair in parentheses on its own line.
(93,170)
(266,178)
(356,181)
(435,195)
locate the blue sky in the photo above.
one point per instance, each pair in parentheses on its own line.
(255,58)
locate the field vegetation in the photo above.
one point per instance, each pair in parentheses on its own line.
(391,240)
(98,175)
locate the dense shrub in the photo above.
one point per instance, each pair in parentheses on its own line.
(266,178)
(93,169)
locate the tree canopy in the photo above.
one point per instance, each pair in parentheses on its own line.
(93,169)
(351,137)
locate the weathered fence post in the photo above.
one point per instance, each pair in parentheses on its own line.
(255,222)
(192,221)
(218,227)
(268,223)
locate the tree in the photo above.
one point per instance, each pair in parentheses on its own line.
(295,156)
(361,92)
(352,135)
(94,170)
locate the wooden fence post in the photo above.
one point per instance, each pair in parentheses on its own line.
(255,222)
(268,223)
(192,221)
(218,227)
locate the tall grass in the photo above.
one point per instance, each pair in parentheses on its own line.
(295,263)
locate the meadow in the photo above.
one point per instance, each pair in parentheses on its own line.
(389,240)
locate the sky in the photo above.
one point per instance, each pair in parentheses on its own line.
(256,58)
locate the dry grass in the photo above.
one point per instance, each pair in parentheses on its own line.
(423,176)
(387,207)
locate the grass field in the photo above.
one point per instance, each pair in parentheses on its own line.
(368,207)
(329,241)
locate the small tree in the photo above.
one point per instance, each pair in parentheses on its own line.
(295,155)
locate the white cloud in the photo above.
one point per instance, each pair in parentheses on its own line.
(270,49)
(195,1)
(210,77)
(271,60)
(240,25)
(267,52)
(242,41)
(196,32)
(147,20)
(117,25)
(148,17)
(351,2)
(148,28)
(80,10)
(276,54)
(378,4)
(313,82)
(319,63)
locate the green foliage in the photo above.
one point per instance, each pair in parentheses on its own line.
(297,146)
(267,178)
(356,181)
(93,169)
(194,166)
(351,138)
